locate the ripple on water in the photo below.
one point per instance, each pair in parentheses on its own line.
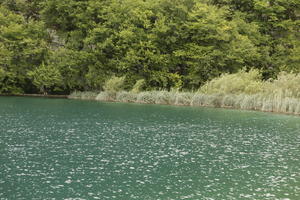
(64,149)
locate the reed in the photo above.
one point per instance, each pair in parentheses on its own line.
(125,96)
(228,100)
(106,96)
(164,97)
(286,85)
(259,102)
(146,97)
(281,95)
(83,95)
(241,82)
(183,98)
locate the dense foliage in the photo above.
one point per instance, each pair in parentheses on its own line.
(74,45)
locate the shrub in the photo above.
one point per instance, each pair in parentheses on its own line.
(45,77)
(239,83)
(286,85)
(138,86)
(114,84)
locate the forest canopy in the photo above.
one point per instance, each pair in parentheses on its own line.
(78,45)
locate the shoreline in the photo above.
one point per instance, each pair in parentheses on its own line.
(36,95)
(132,102)
(181,104)
(227,108)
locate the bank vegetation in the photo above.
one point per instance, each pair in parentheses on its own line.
(241,90)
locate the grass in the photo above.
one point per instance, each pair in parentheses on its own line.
(83,95)
(243,90)
(259,102)
(125,96)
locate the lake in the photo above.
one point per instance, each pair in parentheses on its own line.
(71,149)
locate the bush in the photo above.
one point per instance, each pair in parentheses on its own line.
(286,85)
(114,84)
(138,86)
(239,83)
(45,77)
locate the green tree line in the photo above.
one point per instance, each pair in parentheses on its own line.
(54,46)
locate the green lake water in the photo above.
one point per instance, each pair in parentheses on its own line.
(68,149)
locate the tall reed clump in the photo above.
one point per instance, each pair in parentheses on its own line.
(242,90)
(130,96)
(283,93)
(209,100)
(83,95)
(246,90)
(124,96)
(241,82)
(157,97)
(183,98)
(165,97)
(111,87)
(286,85)
(146,97)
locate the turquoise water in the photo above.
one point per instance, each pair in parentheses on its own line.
(68,149)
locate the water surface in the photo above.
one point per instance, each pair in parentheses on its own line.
(68,149)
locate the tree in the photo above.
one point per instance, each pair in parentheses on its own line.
(167,43)
(214,44)
(45,77)
(23,46)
